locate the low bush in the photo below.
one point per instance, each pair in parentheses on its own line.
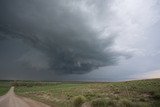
(99,103)
(126,103)
(78,101)
(156,96)
(103,103)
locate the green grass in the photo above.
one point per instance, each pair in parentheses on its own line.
(140,93)
(4,87)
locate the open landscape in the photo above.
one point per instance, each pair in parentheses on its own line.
(79,53)
(137,93)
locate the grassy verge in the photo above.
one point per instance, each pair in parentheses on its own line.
(140,93)
(4,87)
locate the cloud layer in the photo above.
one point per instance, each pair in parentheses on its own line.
(44,38)
(63,36)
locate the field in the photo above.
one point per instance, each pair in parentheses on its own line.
(139,93)
(4,87)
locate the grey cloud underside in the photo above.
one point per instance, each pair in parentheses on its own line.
(61,33)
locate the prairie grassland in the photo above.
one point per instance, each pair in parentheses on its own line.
(139,93)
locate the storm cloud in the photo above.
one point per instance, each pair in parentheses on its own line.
(62,36)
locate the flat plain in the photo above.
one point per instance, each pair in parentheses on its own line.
(137,93)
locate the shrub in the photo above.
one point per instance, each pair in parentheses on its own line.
(126,103)
(103,103)
(112,103)
(90,95)
(79,100)
(142,99)
(99,103)
(156,96)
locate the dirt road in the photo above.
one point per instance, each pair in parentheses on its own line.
(12,100)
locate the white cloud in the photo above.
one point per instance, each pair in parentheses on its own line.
(131,19)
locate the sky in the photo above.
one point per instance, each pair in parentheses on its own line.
(79,40)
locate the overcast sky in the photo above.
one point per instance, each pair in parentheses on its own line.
(92,40)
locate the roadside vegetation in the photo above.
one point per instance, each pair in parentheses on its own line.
(4,87)
(139,93)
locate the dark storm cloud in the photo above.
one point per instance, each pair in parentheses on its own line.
(60,31)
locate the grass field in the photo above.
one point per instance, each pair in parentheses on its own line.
(139,93)
(4,87)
